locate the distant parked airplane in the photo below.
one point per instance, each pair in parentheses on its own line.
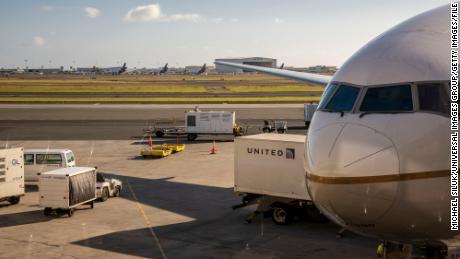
(202,70)
(164,69)
(106,70)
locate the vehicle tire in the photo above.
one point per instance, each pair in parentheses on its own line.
(70,213)
(105,194)
(282,214)
(144,156)
(159,133)
(192,136)
(47,211)
(116,193)
(266,130)
(14,200)
(281,131)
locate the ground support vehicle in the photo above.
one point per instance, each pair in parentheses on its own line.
(308,112)
(156,151)
(64,189)
(11,175)
(199,123)
(107,187)
(270,172)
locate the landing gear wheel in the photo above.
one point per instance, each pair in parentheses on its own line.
(14,200)
(105,194)
(47,211)
(159,133)
(91,204)
(266,130)
(70,212)
(282,214)
(192,136)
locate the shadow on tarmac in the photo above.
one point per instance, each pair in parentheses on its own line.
(217,231)
(23,218)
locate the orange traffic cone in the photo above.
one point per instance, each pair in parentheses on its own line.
(213,148)
(150,141)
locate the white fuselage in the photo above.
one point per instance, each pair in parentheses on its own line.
(385,175)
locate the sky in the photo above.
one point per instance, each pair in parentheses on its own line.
(192,32)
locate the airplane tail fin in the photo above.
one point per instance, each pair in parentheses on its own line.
(123,68)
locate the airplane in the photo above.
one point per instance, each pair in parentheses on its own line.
(164,69)
(104,70)
(122,69)
(377,156)
(282,66)
(202,70)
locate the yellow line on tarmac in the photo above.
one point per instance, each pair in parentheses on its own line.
(147,220)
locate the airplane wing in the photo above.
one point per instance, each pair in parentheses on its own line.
(305,77)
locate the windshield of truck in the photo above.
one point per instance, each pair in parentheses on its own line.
(28,159)
(53,159)
(70,157)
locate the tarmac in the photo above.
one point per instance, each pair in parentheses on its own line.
(121,122)
(175,207)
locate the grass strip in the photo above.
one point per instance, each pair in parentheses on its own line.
(271,99)
(269,88)
(101,89)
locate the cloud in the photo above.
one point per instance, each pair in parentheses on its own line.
(144,13)
(152,13)
(184,17)
(39,41)
(234,20)
(278,20)
(92,12)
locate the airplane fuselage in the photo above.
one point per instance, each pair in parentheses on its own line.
(382,174)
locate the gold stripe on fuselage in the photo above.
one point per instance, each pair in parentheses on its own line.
(378,178)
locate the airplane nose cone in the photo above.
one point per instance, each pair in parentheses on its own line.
(351,175)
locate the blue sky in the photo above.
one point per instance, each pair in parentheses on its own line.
(184,32)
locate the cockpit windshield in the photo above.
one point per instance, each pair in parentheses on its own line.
(388,99)
(330,89)
(343,99)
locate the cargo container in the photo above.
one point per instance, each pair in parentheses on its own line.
(270,172)
(65,189)
(11,175)
(308,112)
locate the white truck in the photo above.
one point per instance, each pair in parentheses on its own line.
(65,189)
(43,160)
(308,112)
(11,175)
(270,172)
(198,122)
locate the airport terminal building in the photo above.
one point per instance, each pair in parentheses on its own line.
(256,61)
